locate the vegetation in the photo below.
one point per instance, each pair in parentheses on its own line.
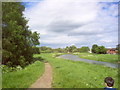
(68,49)
(118,49)
(98,49)
(6,69)
(23,78)
(17,39)
(19,47)
(76,74)
(72,48)
(84,49)
(99,57)
(45,49)
(36,50)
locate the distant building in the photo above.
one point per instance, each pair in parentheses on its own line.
(111,51)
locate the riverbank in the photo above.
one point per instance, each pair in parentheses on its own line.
(76,58)
(99,57)
(76,74)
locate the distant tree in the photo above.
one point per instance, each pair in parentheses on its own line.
(118,48)
(36,50)
(72,48)
(60,50)
(101,50)
(67,49)
(94,48)
(45,49)
(98,49)
(84,49)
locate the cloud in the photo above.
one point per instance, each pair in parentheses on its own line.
(62,23)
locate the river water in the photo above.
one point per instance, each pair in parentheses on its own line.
(76,58)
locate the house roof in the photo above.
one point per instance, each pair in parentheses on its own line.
(111,48)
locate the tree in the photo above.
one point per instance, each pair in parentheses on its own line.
(94,48)
(67,49)
(118,49)
(72,48)
(98,49)
(36,50)
(84,49)
(101,50)
(45,49)
(17,39)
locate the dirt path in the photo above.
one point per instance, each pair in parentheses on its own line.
(45,80)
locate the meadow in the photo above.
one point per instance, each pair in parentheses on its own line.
(99,57)
(23,78)
(66,74)
(76,74)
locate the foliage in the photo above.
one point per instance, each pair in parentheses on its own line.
(101,50)
(98,49)
(23,78)
(118,49)
(45,49)
(36,50)
(71,49)
(6,69)
(67,49)
(58,50)
(94,48)
(17,39)
(84,49)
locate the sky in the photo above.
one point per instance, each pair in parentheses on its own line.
(64,23)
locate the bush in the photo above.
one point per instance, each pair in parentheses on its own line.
(6,69)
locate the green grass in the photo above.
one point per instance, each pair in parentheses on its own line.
(99,57)
(71,74)
(23,78)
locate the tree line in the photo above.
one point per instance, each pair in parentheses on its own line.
(67,49)
(18,42)
(72,49)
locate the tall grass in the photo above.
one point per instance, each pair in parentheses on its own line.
(23,78)
(76,74)
(99,57)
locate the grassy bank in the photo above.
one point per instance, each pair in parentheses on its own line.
(99,57)
(70,74)
(23,78)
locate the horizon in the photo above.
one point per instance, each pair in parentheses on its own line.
(75,46)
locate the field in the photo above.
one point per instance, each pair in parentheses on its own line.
(99,57)
(23,78)
(66,74)
(70,74)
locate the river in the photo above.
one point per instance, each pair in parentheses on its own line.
(76,58)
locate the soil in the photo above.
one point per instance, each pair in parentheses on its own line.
(45,80)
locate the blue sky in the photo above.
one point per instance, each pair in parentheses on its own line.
(69,22)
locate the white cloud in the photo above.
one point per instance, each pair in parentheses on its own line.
(69,22)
